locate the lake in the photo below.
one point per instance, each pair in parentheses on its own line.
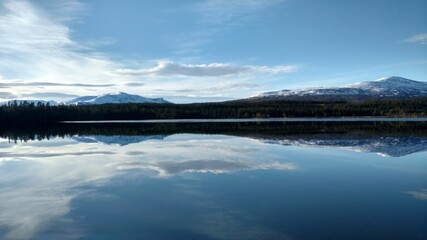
(215,180)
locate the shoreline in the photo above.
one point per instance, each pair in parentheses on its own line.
(226,120)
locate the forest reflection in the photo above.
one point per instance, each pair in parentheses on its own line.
(386,138)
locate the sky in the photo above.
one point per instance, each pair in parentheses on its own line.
(204,50)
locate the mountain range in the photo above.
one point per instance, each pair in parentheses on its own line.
(384,88)
(111,98)
(390,146)
(116,98)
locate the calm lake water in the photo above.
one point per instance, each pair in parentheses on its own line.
(270,180)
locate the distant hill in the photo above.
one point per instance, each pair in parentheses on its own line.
(114,98)
(384,88)
(111,98)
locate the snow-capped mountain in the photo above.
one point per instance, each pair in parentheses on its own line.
(114,98)
(389,87)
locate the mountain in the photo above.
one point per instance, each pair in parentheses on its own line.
(389,87)
(114,98)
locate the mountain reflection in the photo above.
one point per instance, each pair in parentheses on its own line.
(383,145)
(119,140)
(390,146)
(393,139)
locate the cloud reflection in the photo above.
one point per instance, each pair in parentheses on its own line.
(35,194)
(48,155)
(420,195)
(201,166)
(40,179)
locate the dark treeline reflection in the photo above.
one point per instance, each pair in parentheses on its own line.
(245,129)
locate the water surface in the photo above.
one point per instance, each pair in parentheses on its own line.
(321,180)
(242,120)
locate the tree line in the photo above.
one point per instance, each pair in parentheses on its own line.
(24,113)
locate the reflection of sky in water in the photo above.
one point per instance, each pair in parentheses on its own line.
(205,187)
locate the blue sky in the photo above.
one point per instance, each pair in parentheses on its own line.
(206,50)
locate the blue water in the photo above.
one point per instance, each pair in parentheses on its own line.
(200,186)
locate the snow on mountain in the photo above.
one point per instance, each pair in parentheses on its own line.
(389,87)
(393,86)
(114,98)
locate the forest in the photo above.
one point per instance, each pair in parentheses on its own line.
(40,114)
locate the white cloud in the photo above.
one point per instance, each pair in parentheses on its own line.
(25,28)
(167,68)
(39,57)
(228,86)
(275,69)
(46,84)
(418,39)
(36,46)
(48,95)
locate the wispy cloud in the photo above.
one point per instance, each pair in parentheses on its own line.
(47,84)
(36,45)
(418,39)
(219,87)
(228,86)
(7,95)
(25,28)
(48,95)
(134,84)
(67,10)
(222,11)
(167,68)
(216,16)
(39,56)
